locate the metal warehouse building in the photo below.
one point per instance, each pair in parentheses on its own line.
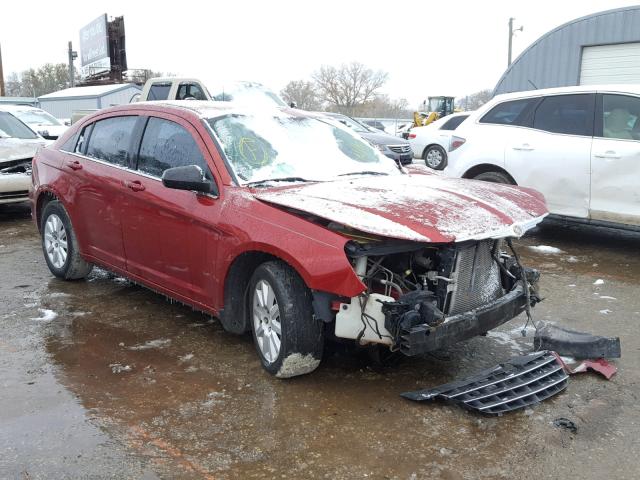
(63,103)
(600,48)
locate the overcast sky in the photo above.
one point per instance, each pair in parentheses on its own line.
(427,47)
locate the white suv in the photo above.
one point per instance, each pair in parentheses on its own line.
(579,146)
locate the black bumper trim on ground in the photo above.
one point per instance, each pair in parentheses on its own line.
(423,338)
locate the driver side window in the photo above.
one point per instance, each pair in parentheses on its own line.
(166,144)
(620,117)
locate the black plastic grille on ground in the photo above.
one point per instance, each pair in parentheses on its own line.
(518,383)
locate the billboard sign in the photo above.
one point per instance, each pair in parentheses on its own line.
(94,47)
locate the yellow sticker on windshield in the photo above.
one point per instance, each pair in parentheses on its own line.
(252,151)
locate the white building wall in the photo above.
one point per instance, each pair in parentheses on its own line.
(120,97)
(63,108)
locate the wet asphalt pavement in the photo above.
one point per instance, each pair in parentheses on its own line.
(104,379)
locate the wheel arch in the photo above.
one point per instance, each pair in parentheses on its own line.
(44,197)
(236,282)
(487,167)
(432,144)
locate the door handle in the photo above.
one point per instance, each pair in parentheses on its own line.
(525,147)
(75,165)
(136,186)
(607,154)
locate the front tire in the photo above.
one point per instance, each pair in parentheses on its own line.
(494,177)
(288,339)
(59,244)
(435,157)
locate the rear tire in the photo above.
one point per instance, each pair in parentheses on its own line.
(435,157)
(495,177)
(59,244)
(288,339)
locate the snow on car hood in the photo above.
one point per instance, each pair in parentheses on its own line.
(422,208)
(19,149)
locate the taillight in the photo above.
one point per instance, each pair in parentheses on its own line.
(456,142)
(412,135)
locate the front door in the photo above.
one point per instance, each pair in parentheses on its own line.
(170,236)
(615,160)
(553,156)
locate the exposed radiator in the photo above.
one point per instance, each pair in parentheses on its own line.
(476,278)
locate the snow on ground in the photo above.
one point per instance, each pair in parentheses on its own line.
(599,282)
(158,343)
(606,311)
(47,315)
(546,249)
(504,338)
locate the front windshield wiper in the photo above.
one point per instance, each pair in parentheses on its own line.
(364,172)
(280,179)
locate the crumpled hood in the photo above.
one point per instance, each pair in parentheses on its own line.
(19,149)
(422,208)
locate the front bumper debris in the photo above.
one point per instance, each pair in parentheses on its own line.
(423,338)
(518,383)
(576,344)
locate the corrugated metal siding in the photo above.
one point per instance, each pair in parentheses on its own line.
(554,59)
(64,108)
(618,63)
(118,98)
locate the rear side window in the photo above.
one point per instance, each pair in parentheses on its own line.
(166,144)
(453,123)
(159,91)
(190,91)
(568,114)
(620,117)
(514,112)
(110,140)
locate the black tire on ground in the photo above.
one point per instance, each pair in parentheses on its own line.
(494,177)
(74,267)
(302,336)
(435,157)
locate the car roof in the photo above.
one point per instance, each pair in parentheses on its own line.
(618,88)
(206,108)
(17,108)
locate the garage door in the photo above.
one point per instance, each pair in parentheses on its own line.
(619,63)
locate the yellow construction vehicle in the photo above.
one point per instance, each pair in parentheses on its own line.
(433,109)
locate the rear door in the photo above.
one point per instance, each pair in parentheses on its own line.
(95,171)
(170,236)
(615,160)
(553,154)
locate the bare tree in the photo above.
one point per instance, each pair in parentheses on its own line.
(382,106)
(33,83)
(474,100)
(303,94)
(348,85)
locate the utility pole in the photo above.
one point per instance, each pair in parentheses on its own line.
(72,56)
(511,33)
(1,76)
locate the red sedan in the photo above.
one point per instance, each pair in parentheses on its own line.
(284,224)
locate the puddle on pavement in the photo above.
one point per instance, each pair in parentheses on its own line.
(178,389)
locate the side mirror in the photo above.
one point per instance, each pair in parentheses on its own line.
(293,105)
(189,177)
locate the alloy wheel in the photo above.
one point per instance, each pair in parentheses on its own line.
(266,321)
(55,241)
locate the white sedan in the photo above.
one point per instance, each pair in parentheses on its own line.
(38,120)
(18,145)
(433,142)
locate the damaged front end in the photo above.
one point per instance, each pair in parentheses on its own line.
(423,297)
